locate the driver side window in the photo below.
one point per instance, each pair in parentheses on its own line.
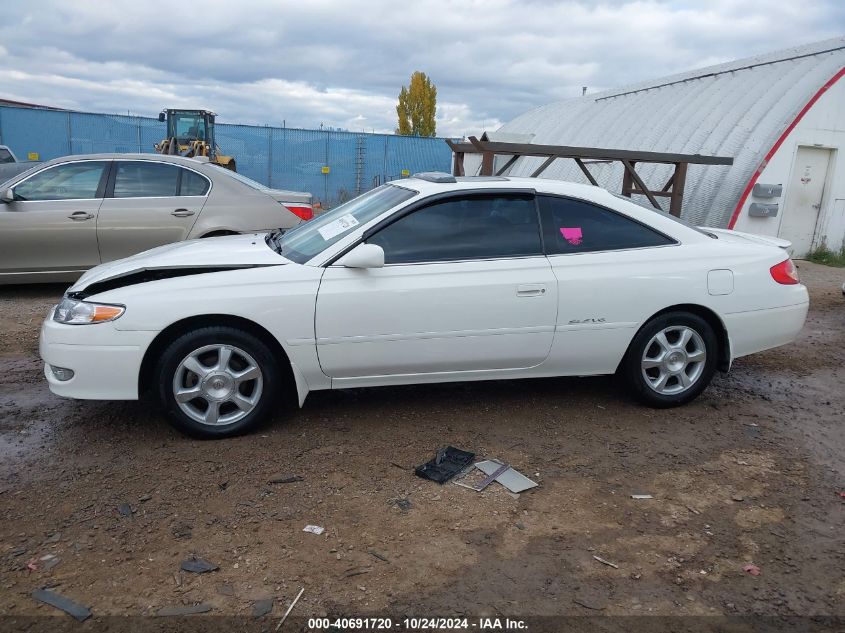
(465,227)
(70,181)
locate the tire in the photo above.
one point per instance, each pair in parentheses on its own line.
(229,399)
(661,371)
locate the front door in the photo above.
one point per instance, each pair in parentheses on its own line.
(50,226)
(465,287)
(143,208)
(804,199)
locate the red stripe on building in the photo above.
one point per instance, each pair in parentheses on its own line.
(779,142)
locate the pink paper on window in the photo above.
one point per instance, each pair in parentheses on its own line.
(572,235)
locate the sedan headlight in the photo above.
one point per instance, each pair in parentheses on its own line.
(76,312)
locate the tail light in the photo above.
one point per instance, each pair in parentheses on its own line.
(306,213)
(785,272)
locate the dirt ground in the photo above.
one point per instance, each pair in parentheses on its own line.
(750,473)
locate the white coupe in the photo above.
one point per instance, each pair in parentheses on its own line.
(429,279)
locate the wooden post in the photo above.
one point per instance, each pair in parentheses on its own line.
(678,181)
(487,163)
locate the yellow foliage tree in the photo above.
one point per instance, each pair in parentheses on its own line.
(417,106)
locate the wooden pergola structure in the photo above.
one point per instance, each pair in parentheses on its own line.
(631,181)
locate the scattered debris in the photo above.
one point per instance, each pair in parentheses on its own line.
(198,566)
(223,485)
(49,561)
(641,497)
(290,608)
(489,479)
(751,569)
(18,551)
(314,529)
(589,603)
(446,464)
(260,608)
(55,537)
(399,466)
(520,526)
(842,495)
(144,498)
(182,531)
(190,610)
(403,504)
(738,498)
(285,479)
(356,571)
(381,557)
(177,578)
(510,478)
(226,590)
(74,609)
(693,510)
(606,562)
(124,510)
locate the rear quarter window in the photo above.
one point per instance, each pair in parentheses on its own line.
(576,226)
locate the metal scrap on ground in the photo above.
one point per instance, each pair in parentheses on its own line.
(198,566)
(67,605)
(511,479)
(314,529)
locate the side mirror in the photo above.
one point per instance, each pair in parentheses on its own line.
(363,256)
(161,117)
(7,196)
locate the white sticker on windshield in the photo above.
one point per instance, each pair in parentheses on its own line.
(341,225)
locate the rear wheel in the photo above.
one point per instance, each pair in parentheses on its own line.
(671,359)
(217,382)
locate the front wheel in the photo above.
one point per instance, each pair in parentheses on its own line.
(671,360)
(217,382)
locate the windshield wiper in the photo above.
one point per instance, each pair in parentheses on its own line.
(274,240)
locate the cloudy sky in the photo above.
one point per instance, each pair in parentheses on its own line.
(341,63)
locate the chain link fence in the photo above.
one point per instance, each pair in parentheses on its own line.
(333,166)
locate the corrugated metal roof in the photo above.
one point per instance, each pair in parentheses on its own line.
(736,109)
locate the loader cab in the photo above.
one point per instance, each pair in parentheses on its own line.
(187,126)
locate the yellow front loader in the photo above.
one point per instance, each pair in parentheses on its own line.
(191,133)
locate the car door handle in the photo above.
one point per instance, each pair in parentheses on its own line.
(78,216)
(530,290)
(182,213)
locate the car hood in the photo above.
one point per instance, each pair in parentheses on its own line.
(210,254)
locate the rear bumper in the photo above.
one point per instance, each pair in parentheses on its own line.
(760,330)
(105,361)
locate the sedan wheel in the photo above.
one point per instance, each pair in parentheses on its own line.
(217,384)
(218,381)
(671,360)
(674,360)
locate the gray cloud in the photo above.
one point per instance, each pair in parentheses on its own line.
(342,63)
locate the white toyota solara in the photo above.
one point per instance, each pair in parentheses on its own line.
(429,279)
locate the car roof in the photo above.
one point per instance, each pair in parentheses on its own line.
(167,158)
(427,186)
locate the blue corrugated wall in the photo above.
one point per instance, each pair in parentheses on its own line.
(284,158)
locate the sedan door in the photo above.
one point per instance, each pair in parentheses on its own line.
(143,208)
(465,287)
(50,225)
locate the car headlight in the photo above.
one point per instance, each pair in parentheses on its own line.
(76,312)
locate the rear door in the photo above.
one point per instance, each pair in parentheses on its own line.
(148,204)
(51,224)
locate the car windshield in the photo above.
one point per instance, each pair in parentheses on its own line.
(313,237)
(249,182)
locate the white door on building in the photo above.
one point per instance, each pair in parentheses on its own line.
(804,198)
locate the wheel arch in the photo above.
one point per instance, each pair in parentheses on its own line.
(713,319)
(294,384)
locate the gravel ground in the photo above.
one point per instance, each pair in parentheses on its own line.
(750,473)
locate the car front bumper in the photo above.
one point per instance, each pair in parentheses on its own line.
(105,361)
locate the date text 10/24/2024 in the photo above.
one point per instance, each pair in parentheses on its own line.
(417,624)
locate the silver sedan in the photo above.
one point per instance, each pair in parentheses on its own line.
(70,214)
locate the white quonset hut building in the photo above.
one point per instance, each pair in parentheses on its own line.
(780,116)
